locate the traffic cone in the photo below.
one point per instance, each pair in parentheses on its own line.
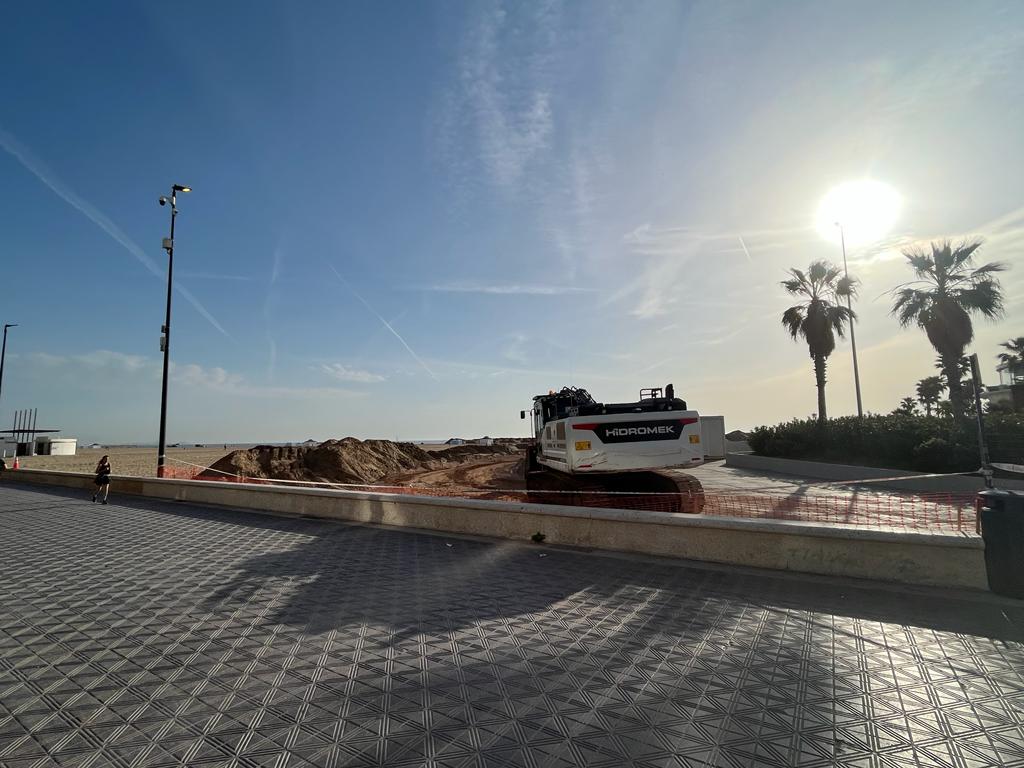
(16,464)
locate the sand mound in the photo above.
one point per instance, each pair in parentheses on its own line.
(346,461)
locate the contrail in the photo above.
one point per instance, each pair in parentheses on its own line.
(384,322)
(744,245)
(34,166)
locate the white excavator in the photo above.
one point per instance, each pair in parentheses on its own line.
(621,455)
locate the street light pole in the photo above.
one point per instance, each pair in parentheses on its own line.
(165,339)
(3,354)
(853,337)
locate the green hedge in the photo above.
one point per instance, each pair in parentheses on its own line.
(922,443)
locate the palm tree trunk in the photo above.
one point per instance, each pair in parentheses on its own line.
(928,409)
(819,378)
(951,369)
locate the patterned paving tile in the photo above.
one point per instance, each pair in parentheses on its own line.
(159,634)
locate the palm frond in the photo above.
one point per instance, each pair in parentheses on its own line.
(988,269)
(911,305)
(839,317)
(794,286)
(960,257)
(847,286)
(984,296)
(793,320)
(922,263)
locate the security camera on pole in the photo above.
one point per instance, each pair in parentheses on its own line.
(165,337)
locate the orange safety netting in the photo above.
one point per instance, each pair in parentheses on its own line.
(911,511)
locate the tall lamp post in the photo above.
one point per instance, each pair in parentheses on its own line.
(853,337)
(3,354)
(165,338)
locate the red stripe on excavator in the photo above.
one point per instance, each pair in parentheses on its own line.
(592,426)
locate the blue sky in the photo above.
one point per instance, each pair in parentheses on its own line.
(409,218)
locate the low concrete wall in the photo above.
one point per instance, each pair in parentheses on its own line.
(918,482)
(951,560)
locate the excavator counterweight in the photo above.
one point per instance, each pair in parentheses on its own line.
(619,455)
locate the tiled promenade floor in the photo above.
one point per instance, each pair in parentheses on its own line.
(158,634)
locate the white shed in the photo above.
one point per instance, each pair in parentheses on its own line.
(56,446)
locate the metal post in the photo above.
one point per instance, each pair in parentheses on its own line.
(853,336)
(986,466)
(3,355)
(160,458)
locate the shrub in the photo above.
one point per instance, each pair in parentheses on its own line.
(899,441)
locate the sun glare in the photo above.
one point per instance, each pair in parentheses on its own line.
(866,210)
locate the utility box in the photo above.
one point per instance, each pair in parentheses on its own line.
(712,436)
(1001,518)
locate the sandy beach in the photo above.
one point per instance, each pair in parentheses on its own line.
(137,462)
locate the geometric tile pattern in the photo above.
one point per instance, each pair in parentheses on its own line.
(158,634)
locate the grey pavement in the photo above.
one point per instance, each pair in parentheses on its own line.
(158,634)
(716,476)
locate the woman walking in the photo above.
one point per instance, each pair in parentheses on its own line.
(102,478)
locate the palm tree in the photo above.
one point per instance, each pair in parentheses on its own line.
(963,367)
(948,289)
(820,318)
(929,392)
(1013,358)
(907,407)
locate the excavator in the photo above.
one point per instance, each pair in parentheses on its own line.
(592,454)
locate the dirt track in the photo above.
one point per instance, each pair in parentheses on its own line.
(505,473)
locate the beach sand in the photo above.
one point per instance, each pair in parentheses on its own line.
(137,462)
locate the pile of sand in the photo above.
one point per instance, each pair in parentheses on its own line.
(346,461)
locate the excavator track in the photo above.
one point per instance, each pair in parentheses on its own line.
(672,492)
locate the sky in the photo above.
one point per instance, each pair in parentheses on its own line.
(410,218)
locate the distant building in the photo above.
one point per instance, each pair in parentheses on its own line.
(454,441)
(485,440)
(1009,393)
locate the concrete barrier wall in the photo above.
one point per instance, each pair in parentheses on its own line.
(953,560)
(917,482)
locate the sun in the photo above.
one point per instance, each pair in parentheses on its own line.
(866,209)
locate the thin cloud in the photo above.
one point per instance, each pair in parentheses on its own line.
(344,373)
(383,322)
(743,245)
(504,93)
(108,366)
(97,360)
(500,289)
(213,276)
(20,153)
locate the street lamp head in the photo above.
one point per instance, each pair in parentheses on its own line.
(181,188)
(10,325)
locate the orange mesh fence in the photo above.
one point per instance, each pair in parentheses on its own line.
(940,512)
